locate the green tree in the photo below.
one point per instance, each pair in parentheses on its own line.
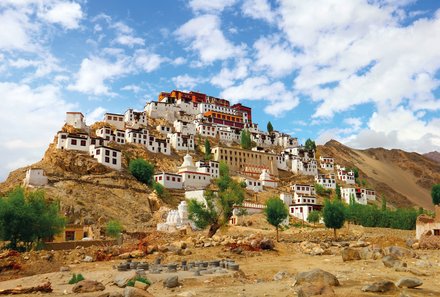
(338,191)
(27,218)
(217,209)
(384,203)
(207,149)
(269,127)
(113,229)
(435,194)
(334,214)
(142,170)
(310,145)
(276,212)
(314,217)
(245,139)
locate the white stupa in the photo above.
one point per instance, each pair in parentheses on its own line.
(266,179)
(188,164)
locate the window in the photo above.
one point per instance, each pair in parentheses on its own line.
(168,178)
(63,136)
(173,178)
(107,152)
(107,160)
(73,141)
(70,235)
(114,161)
(83,143)
(98,151)
(114,154)
(437,232)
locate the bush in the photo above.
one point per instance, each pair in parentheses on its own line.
(76,278)
(334,214)
(159,189)
(113,229)
(314,217)
(142,170)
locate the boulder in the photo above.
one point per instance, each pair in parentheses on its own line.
(280,275)
(135,292)
(380,287)
(392,262)
(137,254)
(315,289)
(317,275)
(171,282)
(121,279)
(317,251)
(141,285)
(267,244)
(399,252)
(409,282)
(87,286)
(350,254)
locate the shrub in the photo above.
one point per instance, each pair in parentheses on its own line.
(276,212)
(334,214)
(113,229)
(314,217)
(435,194)
(159,189)
(142,170)
(76,278)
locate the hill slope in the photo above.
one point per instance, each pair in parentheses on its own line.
(405,179)
(435,156)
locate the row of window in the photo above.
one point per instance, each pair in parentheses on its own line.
(168,178)
(110,118)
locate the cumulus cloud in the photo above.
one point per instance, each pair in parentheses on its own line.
(205,37)
(187,82)
(125,35)
(228,76)
(93,74)
(259,9)
(95,115)
(148,61)
(67,14)
(261,88)
(32,115)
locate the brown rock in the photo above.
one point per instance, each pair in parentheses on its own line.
(315,289)
(380,287)
(317,276)
(350,254)
(141,285)
(135,292)
(86,286)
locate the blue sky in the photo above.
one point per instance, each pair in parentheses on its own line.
(363,72)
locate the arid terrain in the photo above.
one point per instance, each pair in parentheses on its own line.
(301,249)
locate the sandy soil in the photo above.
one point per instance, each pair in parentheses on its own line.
(260,267)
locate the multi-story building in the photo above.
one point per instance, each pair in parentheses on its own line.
(116,120)
(239,159)
(361,196)
(67,141)
(327,163)
(169,180)
(76,120)
(221,118)
(107,156)
(345,175)
(181,142)
(135,119)
(328,181)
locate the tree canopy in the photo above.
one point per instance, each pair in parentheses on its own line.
(27,218)
(314,217)
(245,139)
(435,194)
(142,170)
(276,212)
(207,149)
(334,214)
(269,127)
(310,145)
(217,209)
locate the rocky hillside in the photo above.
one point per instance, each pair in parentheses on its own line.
(405,179)
(435,156)
(92,193)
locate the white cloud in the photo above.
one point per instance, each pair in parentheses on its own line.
(32,115)
(187,82)
(210,6)
(93,74)
(131,88)
(148,61)
(16,31)
(275,56)
(259,9)
(95,115)
(179,61)
(67,14)
(228,76)
(125,35)
(260,88)
(204,35)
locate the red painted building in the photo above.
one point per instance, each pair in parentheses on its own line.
(242,108)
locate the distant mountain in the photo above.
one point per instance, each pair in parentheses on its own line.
(435,156)
(405,179)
